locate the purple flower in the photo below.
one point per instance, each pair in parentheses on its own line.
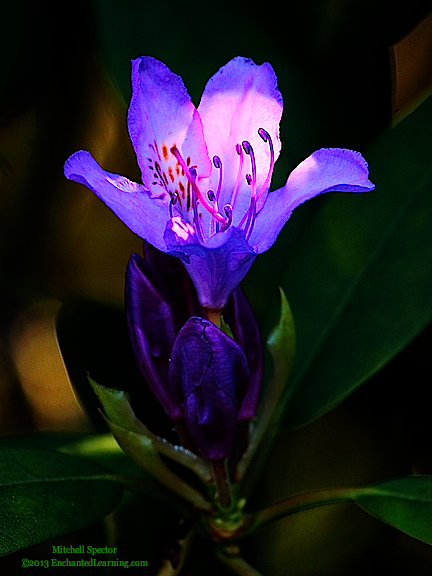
(206,172)
(207,382)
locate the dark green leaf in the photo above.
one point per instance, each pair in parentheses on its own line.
(42,440)
(405,503)
(100,448)
(360,278)
(46,494)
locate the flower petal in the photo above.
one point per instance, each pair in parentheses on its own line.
(161,115)
(238,100)
(326,170)
(131,202)
(215,268)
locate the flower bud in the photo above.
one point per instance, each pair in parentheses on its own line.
(212,371)
(152,332)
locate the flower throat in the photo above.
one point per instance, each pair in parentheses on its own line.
(210,201)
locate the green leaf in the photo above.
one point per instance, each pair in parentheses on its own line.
(45,494)
(42,440)
(359,280)
(282,346)
(117,407)
(141,449)
(120,414)
(405,503)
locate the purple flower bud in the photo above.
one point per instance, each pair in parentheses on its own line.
(212,371)
(169,277)
(152,332)
(240,318)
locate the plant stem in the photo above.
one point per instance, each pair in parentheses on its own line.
(299,503)
(214,316)
(223,486)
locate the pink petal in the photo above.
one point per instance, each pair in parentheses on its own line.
(238,100)
(161,115)
(326,170)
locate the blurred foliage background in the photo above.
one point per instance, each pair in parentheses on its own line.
(347,71)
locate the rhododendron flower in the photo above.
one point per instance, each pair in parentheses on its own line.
(206,172)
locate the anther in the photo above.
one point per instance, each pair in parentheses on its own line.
(264,134)
(249,150)
(247,147)
(173,201)
(267,138)
(217,162)
(211,195)
(228,213)
(249,216)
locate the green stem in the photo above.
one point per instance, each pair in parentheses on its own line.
(299,503)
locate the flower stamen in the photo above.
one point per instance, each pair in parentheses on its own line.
(197,192)
(228,212)
(173,201)
(217,162)
(239,151)
(266,137)
(197,220)
(251,180)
